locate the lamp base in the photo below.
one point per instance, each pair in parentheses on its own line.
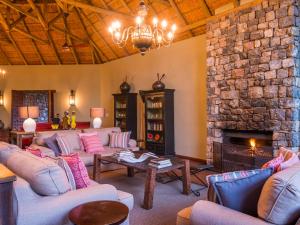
(29,125)
(97,122)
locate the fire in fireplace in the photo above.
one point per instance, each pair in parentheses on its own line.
(243,150)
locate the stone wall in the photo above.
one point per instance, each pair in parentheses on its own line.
(253,72)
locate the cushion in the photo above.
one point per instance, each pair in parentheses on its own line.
(68,142)
(51,143)
(211,179)
(92,144)
(45,177)
(287,153)
(274,163)
(119,139)
(288,163)
(64,165)
(279,202)
(84,135)
(35,151)
(103,133)
(78,169)
(242,194)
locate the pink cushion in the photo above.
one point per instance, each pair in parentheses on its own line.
(119,139)
(287,153)
(36,152)
(84,135)
(78,169)
(288,163)
(92,143)
(274,163)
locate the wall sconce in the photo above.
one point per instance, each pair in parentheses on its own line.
(72,98)
(1,98)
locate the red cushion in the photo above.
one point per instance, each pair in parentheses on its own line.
(92,143)
(78,169)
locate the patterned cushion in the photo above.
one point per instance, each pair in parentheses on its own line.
(51,143)
(287,153)
(119,140)
(68,142)
(36,152)
(274,163)
(92,143)
(84,135)
(78,169)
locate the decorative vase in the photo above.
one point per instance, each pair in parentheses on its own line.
(125,87)
(159,85)
(1,125)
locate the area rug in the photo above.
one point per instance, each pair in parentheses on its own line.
(168,199)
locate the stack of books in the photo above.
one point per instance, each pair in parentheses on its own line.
(160,163)
(123,154)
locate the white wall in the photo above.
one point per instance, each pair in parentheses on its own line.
(185,66)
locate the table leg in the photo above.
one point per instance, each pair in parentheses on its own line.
(149,188)
(186,177)
(130,172)
(97,167)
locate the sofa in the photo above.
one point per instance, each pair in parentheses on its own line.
(42,193)
(87,158)
(279,203)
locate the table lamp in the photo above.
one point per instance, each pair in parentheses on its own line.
(29,113)
(97,114)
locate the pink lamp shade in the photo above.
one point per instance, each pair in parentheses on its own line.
(97,112)
(29,112)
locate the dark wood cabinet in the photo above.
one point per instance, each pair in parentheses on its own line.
(125,112)
(159,121)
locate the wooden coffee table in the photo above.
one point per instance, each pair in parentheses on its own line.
(178,163)
(99,213)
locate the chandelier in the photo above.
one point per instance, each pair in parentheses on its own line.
(143,36)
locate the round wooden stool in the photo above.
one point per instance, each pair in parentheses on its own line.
(99,213)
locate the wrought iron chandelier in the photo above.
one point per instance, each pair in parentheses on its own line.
(143,36)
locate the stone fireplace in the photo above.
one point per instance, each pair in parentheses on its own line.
(253,74)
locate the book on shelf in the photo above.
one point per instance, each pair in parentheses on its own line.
(159,166)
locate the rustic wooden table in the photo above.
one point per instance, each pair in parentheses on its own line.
(100,213)
(177,163)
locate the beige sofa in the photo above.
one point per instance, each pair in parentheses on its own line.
(87,158)
(279,203)
(42,194)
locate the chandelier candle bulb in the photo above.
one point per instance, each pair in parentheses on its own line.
(155,21)
(164,24)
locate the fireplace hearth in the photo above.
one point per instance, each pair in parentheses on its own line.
(242,150)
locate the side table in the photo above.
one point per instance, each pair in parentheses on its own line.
(6,196)
(21,138)
(100,213)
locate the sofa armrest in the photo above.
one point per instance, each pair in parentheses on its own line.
(38,211)
(46,151)
(209,213)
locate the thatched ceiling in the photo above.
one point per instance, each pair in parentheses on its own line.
(32,32)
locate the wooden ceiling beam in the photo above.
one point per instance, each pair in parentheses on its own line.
(13,6)
(29,35)
(20,19)
(57,17)
(53,47)
(236,3)
(179,14)
(206,20)
(38,13)
(4,56)
(57,29)
(96,9)
(205,8)
(92,43)
(126,6)
(10,37)
(34,45)
(96,31)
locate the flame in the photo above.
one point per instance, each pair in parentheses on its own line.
(252,143)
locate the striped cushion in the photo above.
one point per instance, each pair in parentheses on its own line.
(274,163)
(64,144)
(92,143)
(78,169)
(83,135)
(119,140)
